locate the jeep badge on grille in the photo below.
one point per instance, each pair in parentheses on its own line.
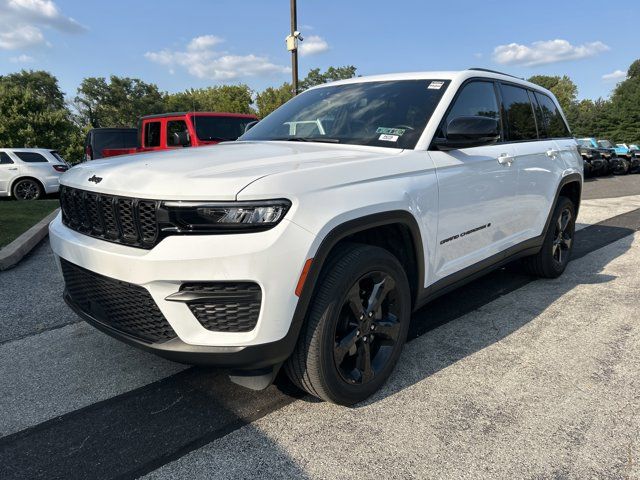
(95,179)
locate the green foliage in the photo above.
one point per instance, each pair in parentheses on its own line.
(634,70)
(33,112)
(624,111)
(271,98)
(562,87)
(118,103)
(314,77)
(225,98)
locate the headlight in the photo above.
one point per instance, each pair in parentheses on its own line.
(223,217)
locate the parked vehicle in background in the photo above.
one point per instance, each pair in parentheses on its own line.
(594,163)
(310,250)
(167,131)
(635,158)
(623,150)
(100,139)
(30,173)
(619,165)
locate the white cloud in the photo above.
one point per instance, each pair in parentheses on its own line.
(22,59)
(544,52)
(202,61)
(22,21)
(313,45)
(615,76)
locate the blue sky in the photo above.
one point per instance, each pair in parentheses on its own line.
(182,44)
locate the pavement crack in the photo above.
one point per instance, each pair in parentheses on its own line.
(168,406)
(78,448)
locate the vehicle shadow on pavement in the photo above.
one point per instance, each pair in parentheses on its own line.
(456,326)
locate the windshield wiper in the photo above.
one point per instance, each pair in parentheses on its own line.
(308,139)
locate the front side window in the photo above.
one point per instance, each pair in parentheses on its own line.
(552,123)
(520,122)
(178,134)
(152,134)
(5,159)
(383,114)
(31,157)
(475,99)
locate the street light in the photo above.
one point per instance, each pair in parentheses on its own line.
(292,45)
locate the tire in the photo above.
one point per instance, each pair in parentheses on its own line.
(553,257)
(330,358)
(27,189)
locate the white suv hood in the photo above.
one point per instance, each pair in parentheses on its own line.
(218,172)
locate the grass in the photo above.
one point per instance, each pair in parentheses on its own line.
(17,217)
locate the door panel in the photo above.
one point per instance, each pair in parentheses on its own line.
(9,169)
(476,201)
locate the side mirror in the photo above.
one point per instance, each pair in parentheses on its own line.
(250,125)
(182,139)
(469,131)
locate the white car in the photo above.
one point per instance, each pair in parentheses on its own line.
(310,251)
(30,173)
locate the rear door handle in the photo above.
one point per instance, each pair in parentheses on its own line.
(12,168)
(505,159)
(552,153)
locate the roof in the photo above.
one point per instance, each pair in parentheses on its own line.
(207,114)
(35,149)
(459,76)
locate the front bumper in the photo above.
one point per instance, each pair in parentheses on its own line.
(273,259)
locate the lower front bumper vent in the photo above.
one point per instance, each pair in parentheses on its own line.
(222,306)
(122,306)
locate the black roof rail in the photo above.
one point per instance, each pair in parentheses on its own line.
(477,69)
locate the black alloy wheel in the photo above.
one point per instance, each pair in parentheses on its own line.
(27,189)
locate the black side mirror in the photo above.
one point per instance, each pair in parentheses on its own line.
(182,139)
(469,131)
(250,125)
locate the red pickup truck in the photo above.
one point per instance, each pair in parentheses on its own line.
(185,129)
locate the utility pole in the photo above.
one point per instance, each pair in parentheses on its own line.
(292,45)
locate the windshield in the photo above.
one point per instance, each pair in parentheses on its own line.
(384,114)
(585,143)
(219,128)
(605,143)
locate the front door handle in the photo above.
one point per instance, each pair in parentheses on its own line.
(552,153)
(505,159)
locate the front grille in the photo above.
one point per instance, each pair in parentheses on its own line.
(130,221)
(229,307)
(122,306)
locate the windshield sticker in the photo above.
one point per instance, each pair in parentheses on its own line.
(391,131)
(435,85)
(388,138)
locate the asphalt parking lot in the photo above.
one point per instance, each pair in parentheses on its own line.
(507,377)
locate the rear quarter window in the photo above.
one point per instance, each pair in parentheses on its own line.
(31,157)
(552,122)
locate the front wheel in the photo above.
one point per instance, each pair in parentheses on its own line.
(553,257)
(356,326)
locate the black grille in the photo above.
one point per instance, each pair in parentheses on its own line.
(229,307)
(120,305)
(117,219)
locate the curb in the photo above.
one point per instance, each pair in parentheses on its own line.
(11,254)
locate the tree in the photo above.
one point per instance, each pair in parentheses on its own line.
(224,98)
(314,77)
(33,112)
(624,125)
(562,87)
(271,98)
(118,103)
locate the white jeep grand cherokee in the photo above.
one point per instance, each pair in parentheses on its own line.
(308,243)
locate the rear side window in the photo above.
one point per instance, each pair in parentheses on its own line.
(552,123)
(152,134)
(31,157)
(5,159)
(475,99)
(520,122)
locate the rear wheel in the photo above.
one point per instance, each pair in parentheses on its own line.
(357,324)
(27,189)
(553,257)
